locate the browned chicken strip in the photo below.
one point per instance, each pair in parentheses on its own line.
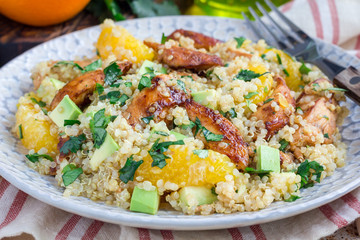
(276,120)
(232,144)
(155,100)
(179,57)
(80,88)
(200,40)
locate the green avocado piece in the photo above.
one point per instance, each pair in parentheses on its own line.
(202,195)
(149,64)
(144,201)
(268,158)
(178,136)
(65,110)
(106,150)
(202,97)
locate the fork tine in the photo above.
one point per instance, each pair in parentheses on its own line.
(300,33)
(253,28)
(291,40)
(257,18)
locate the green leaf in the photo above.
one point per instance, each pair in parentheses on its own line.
(128,84)
(326,135)
(190,125)
(146,8)
(99,88)
(279,59)
(35,157)
(73,144)
(246,75)
(212,137)
(202,153)
(268,100)
(41,105)
(157,152)
(286,72)
(326,117)
(68,168)
(250,95)
(71,174)
(75,65)
(123,99)
(283,144)
(292,198)
(21,132)
(162,133)
(93,66)
(113,96)
(71,122)
(255,171)
(147,119)
(263,56)
(128,171)
(306,170)
(239,41)
(266,90)
(144,82)
(304,69)
(163,38)
(229,114)
(114,8)
(98,125)
(112,73)
(182,85)
(335,89)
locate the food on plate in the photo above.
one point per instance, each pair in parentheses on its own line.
(192,123)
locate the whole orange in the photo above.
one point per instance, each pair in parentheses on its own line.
(41,12)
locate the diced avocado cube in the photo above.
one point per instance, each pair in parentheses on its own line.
(196,195)
(65,110)
(108,147)
(57,84)
(268,158)
(149,64)
(204,98)
(178,136)
(144,201)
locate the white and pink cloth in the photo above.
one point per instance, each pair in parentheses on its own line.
(335,21)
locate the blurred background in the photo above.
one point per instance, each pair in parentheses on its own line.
(25,24)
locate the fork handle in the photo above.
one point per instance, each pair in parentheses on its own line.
(349,79)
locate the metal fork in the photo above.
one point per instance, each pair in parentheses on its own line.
(297,43)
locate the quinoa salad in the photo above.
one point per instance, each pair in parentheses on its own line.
(182,122)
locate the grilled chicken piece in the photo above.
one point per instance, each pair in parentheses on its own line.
(276,120)
(80,88)
(155,100)
(232,144)
(200,40)
(179,57)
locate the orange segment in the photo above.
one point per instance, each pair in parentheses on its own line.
(187,169)
(266,83)
(116,40)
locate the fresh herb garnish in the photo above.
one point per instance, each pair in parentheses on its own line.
(128,171)
(226,65)
(147,119)
(326,135)
(144,82)
(268,100)
(250,94)
(304,69)
(68,63)
(283,144)
(261,173)
(182,85)
(157,152)
(240,41)
(190,125)
(113,96)
(202,153)
(299,110)
(246,75)
(21,132)
(123,99)
(213,191)
(286,72)
(263,56)
(92,66)
(229,114)
(35,157)
(334,89)
(162,133)
(326,117)
(163,38)
(209,136)
(128,84)
(114,9)
(41,105)
(73,144)
(266,89)
(208,73)
(306,170)
(112,73)
(70,174)
(99,88)
(98,125)
(292,198)
(279,59)
(71,122)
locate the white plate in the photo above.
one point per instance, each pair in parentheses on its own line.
(15,81)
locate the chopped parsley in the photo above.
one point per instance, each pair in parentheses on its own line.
(299,110)
(71,122)
(41,105)
(99,88)
(202,153)
(266,89)
(286,72)
(98,125)
(182,85)
(92,66)
(190,125)
(144,82)
(21,132)
(279,59)
(163,38)
(280,62)
(208,73)
(128,171)
(209,136)
(70,174)
(263,56)
(157,152)
(308,169)
(261,173)
(147,119)
(326,117)
(226,65)
(240,41)
(304,69)
(292,198)
(75,65)
(246,75)
(73,144)
(268,100)
(35,157)
(189,76)
(326,135)
(128,84)
(123,99)
(112,73)
(250,95)
(229,114)
(283,144)
(113,96)
(162,133)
